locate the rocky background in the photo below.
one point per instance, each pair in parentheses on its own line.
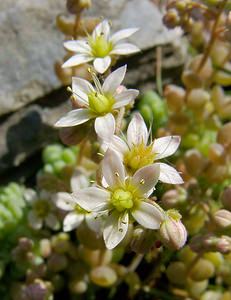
(32,98)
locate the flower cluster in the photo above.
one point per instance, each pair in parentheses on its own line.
(143,183)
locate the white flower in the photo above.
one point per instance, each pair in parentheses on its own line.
(99,102)
(136,152)
(76,215)
(42,210)
(122,199)
(100,47)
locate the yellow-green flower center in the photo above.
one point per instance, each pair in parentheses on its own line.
(100,103)
(42,208)
(122,199)
(100,46)
(125,197)
(79,210)
(138,157)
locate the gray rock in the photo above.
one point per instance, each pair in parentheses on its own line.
(30,42)
(25,132)
(28,130)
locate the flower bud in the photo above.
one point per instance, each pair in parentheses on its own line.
(226,198)
(191,79)
(97,257)
(103,276)
(216,173)
(215,258)
(142,240)
(57,262)
(223,218)
(65,25)
(171,18)
(211,243)
(176,272)
(76,6)
(220,52)
(223,244)
(206,71)
(202,269)
(175,97)
(186,255)
(224,136)
(78,286)
(196,288)
(170,199)
(60,242)
(217,153)
(223,78)
(45,248)
(197,98)
(208,295)
(217,97)
(194,162)
(172,232)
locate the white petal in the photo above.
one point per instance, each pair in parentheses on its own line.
(78,46)
(74,117)
(91,198)
(137,132)
(81,88)
(102,64)
(114,80)
(146,177)
(124,98)
(72,221)
(52,222)
(92,222)
(123,34)
(124,49)
(148,215)
(34,221)
(166,146)
(112,168)
(78,181)
(118,145)
(64,201)
(102,28)
(115,230)
(76,60)
(105,127)
(169,175)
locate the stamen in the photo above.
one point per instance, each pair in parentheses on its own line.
(142,181)
(69,89)
(117,174)
(100,154)
(96,80)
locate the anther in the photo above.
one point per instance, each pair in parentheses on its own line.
(69,89)
(142,181)
(117,174)
(100,154)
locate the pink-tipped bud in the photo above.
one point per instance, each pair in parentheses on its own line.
(223,218)
(172,231)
